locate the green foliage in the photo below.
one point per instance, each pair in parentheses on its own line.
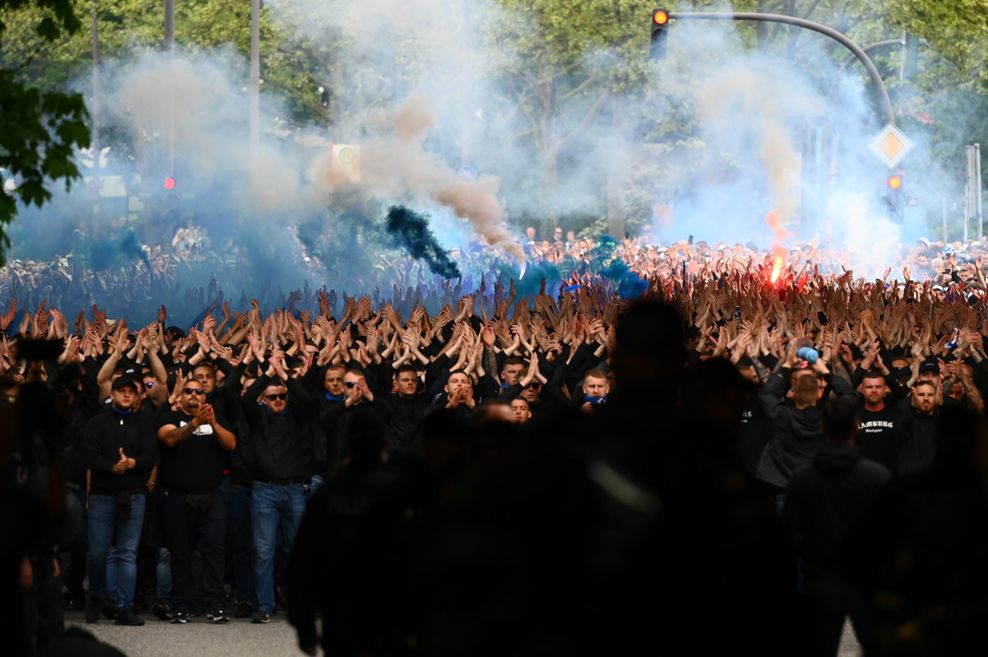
(564,67)
(39,130)
(956,30)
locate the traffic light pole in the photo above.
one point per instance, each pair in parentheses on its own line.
(255,75)
(885,103)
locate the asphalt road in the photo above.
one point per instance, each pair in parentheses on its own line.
(239,637)
(199,638)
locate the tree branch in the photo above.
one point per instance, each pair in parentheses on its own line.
(584,122)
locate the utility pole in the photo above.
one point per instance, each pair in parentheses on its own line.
(973,199)
(978,198)
(170,26)
(170,51)
(255,75)
(95,82)
(94,143)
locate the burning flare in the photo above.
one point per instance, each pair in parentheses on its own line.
(776,270)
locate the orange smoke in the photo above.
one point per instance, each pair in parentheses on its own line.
(395,165)
(779,232)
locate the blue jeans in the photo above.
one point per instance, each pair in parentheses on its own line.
(163,575)
(110,587)
(102,524)
(274,509)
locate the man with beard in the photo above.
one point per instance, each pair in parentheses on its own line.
(194,447)
(919,435)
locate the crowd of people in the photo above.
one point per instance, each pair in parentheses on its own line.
(742,457)
(188,281)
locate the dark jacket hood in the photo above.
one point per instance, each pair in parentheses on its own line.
(835,459)
(805,423)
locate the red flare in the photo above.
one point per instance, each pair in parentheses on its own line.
(776,270)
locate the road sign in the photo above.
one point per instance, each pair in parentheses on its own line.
(345,163)
(890,145)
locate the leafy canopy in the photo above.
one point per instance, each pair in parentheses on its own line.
(39,130)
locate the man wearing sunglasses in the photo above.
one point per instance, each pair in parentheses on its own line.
(279,444)
(358,401)
(193,455)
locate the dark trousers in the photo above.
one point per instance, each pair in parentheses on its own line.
(75,555)
(829,600)
(240,544)
(195,522)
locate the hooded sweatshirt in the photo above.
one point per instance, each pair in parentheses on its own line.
(797,434)
(827,496)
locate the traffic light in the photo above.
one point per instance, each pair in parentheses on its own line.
(660,20)
(169,183)
(894,197)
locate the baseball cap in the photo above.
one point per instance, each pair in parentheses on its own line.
(123,382)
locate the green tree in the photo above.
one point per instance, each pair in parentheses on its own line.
(39,130)
(558,87)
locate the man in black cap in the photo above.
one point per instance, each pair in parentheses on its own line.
(120,452)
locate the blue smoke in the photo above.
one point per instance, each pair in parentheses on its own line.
(410,231)
(108,253)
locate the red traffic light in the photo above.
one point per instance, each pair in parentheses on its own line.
(660,17)
(894,182)
(169,183)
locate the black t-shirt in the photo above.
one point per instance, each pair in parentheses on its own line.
(194,465)
(880,435)
(753,436)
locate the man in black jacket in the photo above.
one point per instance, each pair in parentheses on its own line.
(119,449)
(194,449)
(359,401)
(281,429)
(405,408)
(325,450)
(825,498)
(920,431)
(336,567)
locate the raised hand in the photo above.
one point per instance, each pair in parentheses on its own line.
(9,316)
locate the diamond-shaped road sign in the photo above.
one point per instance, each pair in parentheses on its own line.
(890,145)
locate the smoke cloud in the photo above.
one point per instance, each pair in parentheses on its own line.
(394,164)
(411,232)
(728,144)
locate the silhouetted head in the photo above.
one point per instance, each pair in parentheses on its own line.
(839,421)
(649,350)
(716,393)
